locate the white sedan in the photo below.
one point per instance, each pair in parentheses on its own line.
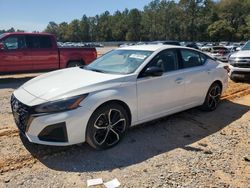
(125,87)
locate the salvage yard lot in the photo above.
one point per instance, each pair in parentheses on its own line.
(188,149)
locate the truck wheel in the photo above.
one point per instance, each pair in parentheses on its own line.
(74,64)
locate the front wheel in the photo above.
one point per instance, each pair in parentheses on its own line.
(107,126)
(212,98)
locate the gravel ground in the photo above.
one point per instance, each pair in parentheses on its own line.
(188,149)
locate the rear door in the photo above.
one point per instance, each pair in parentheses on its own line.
(196,74)
(41,52)
(12,57)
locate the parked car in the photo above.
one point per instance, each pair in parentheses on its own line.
(167,42)
(206,48)
(232,48)
(192,45)
(240,64)
(125,87)
(22,52)
(220,53)
(98,45)
(126,44)
(223,43)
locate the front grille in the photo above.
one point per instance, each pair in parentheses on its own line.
(241,65)
(243,62)
(21,113)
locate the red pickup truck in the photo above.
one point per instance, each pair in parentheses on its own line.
(27,52)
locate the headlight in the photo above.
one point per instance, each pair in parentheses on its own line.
(60,105)
(231,60)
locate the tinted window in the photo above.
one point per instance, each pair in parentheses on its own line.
(166,60)
(192,58)
(45,42)
(38,42)
(14,42)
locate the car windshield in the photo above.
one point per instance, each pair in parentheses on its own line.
(246,46)
(119,61)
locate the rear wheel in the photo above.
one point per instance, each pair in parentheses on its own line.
(74,64)
(107,126)
(212,98)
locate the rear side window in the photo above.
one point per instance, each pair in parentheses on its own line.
(45,42)
(192,58)
(38,42)
(167,60)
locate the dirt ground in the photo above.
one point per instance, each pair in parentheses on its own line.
(188,149)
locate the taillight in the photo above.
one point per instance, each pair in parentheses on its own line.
(227,68)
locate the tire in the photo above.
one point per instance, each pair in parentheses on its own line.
(101,134)
(74,64)
(212,98)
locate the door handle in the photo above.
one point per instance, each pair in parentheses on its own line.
(179,80)
(208,71)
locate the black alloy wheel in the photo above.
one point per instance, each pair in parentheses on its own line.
(212,98)
(107,126)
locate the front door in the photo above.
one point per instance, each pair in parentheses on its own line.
(158,96)
(12,56)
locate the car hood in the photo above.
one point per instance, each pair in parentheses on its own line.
(70,82)
(242,53)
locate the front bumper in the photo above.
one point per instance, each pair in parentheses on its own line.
(58,129)
(237,73)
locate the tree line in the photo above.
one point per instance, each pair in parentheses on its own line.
(10,30)
(185,20)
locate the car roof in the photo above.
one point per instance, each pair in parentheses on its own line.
(150,47)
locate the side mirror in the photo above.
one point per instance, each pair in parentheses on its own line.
(1,46)
(153,71)
(238,49)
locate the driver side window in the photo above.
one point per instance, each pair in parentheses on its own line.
(14,43)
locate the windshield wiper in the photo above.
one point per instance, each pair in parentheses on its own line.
(95,70)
